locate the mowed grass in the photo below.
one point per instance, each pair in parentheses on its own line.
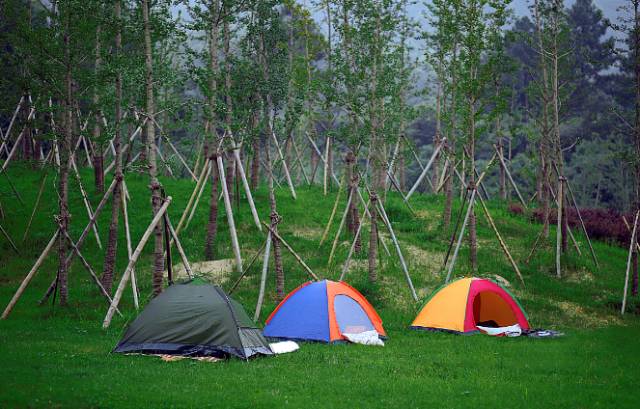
(60,357)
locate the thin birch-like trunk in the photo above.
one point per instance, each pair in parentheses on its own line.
(156,199)
(116,201)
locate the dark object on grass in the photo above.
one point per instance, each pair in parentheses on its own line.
(542,333)
(194,319)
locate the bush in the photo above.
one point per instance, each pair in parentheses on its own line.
(601,224)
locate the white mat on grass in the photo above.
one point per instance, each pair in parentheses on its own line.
(284,347)
(365,338)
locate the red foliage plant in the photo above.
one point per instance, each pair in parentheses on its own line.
(601,224)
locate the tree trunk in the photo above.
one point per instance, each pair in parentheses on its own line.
(373,240)
(212,226)
(156,199)
(98,159)
(275,219)
(65,158)
(473,235)
(112,244)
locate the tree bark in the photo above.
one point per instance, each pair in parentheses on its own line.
(156,199)
(473,235)
(275,219)
(116,200)
(98,159)
(373,240)
(65,160)
(212,226)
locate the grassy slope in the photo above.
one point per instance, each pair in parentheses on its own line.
(61,357)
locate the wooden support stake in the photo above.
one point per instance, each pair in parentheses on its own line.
(325,233)
(340,227)
(263,277)
(30,275)
(464,225)
(87,266)
(293,253)
(322,158)
(6,235)
(626,275)
(247,189)
(345,266)
(132,261)
(183,256)
(196,189)
(127,231)
(87,204)
(513,183)
(232,225)
(584,228)
(387,223)
(426,169)
(284,166)
(560,200)
(246,268)
(500,240)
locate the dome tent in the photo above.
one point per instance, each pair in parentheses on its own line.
(322,311)
(194,319)
(468,302)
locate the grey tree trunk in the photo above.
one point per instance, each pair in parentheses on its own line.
(373,240)
(112,243)
(212,226)
(156,199)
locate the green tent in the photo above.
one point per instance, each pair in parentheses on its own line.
(194,319)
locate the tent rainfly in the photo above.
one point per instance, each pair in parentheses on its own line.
(466,303)
(323,311)
(194,319)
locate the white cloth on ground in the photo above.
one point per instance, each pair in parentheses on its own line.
(510,331)
(284,347)
(365,338)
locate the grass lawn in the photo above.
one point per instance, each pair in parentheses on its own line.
(59,357)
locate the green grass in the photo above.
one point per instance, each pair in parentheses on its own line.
(59,357)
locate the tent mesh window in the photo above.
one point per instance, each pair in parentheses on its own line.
(350,316)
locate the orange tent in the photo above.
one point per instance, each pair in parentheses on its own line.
(465,303)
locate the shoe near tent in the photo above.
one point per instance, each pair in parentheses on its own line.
(194,319)
(465,303)
(322,311)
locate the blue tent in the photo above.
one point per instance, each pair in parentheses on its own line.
(322,311)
